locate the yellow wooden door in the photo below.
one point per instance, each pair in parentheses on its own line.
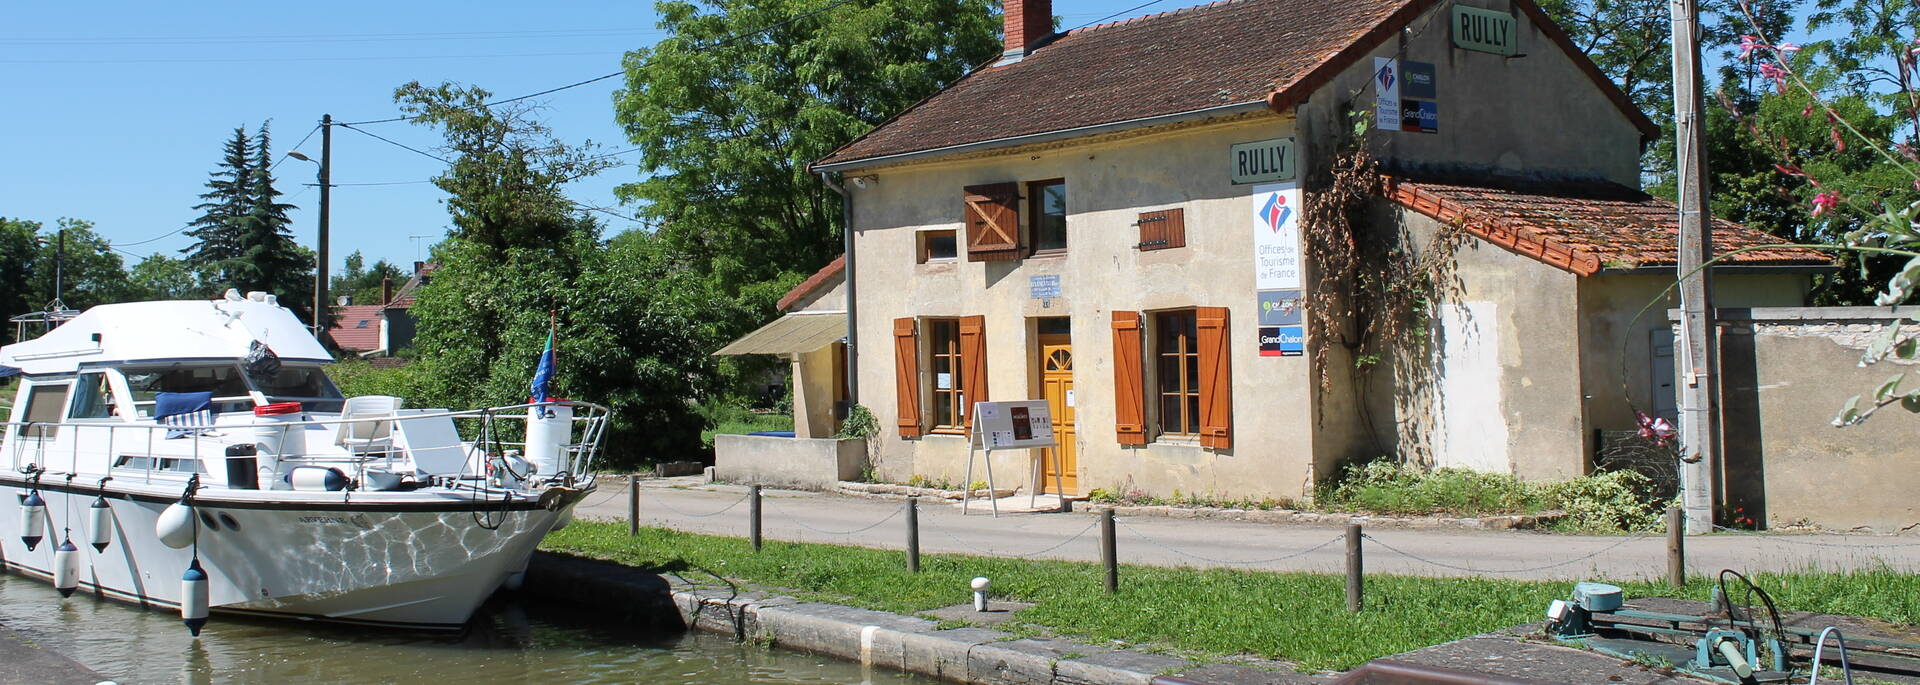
(1061,467)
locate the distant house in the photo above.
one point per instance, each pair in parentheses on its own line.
(379,330)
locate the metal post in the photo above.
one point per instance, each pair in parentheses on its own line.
(753,515)
(633,505)
(913,535)
(60,265)
(1699,365)
(1676,547)
(1109,555)
(1355,574)
(320,307)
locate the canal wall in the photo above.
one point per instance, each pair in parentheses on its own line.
(874,638)
(25,661)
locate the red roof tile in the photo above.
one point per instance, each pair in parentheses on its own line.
(819,279)
(356,328)
(1225,53)
(1581,227)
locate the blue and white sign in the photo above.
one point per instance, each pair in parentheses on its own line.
(1283,341)
(1276,236)
(1386,93)
(1044,286)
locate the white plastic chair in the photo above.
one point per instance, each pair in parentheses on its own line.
(366,425)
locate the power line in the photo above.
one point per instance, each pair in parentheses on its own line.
(296,146)
(1129,10)
(364,58)
(394,143)
(443,160)
(329,38)
(575,84)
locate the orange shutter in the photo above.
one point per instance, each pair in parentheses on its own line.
(906,376)
(1216,378)
(973,364)
(1129,398)
(1163,230)
(993,222)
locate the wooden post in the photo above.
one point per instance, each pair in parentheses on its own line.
(633,505)
(753,515)
(1676,547)
(1354,572)
(913,535)
(1109,556)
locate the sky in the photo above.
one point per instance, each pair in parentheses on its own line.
(116,112)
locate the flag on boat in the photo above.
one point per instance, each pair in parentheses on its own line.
(543,375)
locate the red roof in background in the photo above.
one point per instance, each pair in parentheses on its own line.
(404,297)
(1225,53)
(1581,227)
(819,279)
(356,327)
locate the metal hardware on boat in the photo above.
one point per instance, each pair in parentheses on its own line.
(33,519)
(100,524)
(66,568)
(193,597)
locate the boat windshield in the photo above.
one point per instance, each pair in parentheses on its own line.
(307,385)
(233,391)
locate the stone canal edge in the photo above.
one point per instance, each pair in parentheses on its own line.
(876,638)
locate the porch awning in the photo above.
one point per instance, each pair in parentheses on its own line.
(792,334)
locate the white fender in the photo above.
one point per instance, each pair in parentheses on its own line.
(100,524)
(193,598)
(66,568)
(33,520)
(175,525)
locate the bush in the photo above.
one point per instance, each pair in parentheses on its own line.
(1608,501)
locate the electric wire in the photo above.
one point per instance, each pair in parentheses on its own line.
(296,147)
(1129,10)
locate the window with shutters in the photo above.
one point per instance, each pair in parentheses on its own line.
(1162,230)
(1047,213)
(1177,372)
(947,362)
(992,215)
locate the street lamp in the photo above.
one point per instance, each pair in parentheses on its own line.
(326,204)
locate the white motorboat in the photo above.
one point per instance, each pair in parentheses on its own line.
(195,455)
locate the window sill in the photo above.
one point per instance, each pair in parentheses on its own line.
(948,431)
(1059,253)
(1177,440)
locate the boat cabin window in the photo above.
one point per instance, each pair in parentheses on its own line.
(182,465)
(45,404)
(307,385)
(92,398)
(223,380)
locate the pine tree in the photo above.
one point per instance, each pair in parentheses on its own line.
(227,200)
(269,259)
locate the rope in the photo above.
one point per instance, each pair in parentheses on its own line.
(875,524)
(991,553)
(1250,562)
(1789,541)
(1470,569)
(722,510)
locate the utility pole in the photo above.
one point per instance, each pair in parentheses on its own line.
(1699,377)
(320,299)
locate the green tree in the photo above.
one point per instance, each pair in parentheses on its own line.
(363,283)
(91,272)
(241,239)
(229,197)
(18,254)
(159,277)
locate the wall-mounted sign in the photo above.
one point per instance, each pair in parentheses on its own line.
(1280,307)
(1417,80)
(1276,236)
(1386,93)
(1262,161)
(1485,31)
(1420,116)
(1283,341)
(1044,286)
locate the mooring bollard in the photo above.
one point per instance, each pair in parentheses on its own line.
(1355,575)
(1109,557)
(913,535)
(1676,548)
(633,505)
(753,515)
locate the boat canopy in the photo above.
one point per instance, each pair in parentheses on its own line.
(172,330)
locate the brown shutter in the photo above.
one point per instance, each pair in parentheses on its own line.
(993,222)
(1129,399)
(973,364)
(906,376)
(1162,230)
(1216,378)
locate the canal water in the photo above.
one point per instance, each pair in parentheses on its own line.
(508,641)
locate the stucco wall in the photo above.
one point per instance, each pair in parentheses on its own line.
(1108,185)
(1786,373)
(813,392)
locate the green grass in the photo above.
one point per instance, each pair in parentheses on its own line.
(1298,617)
(732,420)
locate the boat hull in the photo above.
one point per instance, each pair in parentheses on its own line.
(417,561)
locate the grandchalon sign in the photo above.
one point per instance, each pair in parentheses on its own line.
(1485,31)
(1262,161)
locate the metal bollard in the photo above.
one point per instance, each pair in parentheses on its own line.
(1109,556)
(753,515)
(1676,547)
(913,535)
(1355,574)
(633,505)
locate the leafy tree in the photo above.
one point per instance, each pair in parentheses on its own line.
(159,277)
(18,253)
(362,283)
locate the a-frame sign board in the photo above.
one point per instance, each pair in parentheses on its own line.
(1019,424)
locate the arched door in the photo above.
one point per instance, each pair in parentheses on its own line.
(1060,465)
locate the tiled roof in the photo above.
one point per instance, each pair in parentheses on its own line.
(1581,227)
(1225,53)
(822,278)
(356,328)
(403,299)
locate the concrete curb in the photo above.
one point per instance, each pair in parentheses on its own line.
(1512,522)
(876,638)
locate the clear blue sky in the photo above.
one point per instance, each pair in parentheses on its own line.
(116,111)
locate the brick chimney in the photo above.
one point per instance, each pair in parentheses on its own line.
(386,290)
(1028,22)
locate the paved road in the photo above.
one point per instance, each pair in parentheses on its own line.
(839,519)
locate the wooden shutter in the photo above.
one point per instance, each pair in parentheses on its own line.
(906,376)
(1163,230)
(1216,378)
(973,364)
(993,222)
(1129,398)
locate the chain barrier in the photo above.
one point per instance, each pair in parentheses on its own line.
(1810,543)
(608,497)
(663,503)
(875,524)
(1470,569)
(1250,562)
(1083,531)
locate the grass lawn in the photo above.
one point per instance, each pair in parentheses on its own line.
(742,423)
(1298,617)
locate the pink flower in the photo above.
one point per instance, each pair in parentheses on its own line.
(1779,75)
(1825,202)
(1787,48)
(1748,44)
(1839,144)
(1660,431)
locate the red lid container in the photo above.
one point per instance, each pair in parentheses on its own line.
(277,409)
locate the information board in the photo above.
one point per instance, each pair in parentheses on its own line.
(1014,425)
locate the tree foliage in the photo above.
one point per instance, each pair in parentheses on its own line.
(159,277)
(241,238)
(363,283)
